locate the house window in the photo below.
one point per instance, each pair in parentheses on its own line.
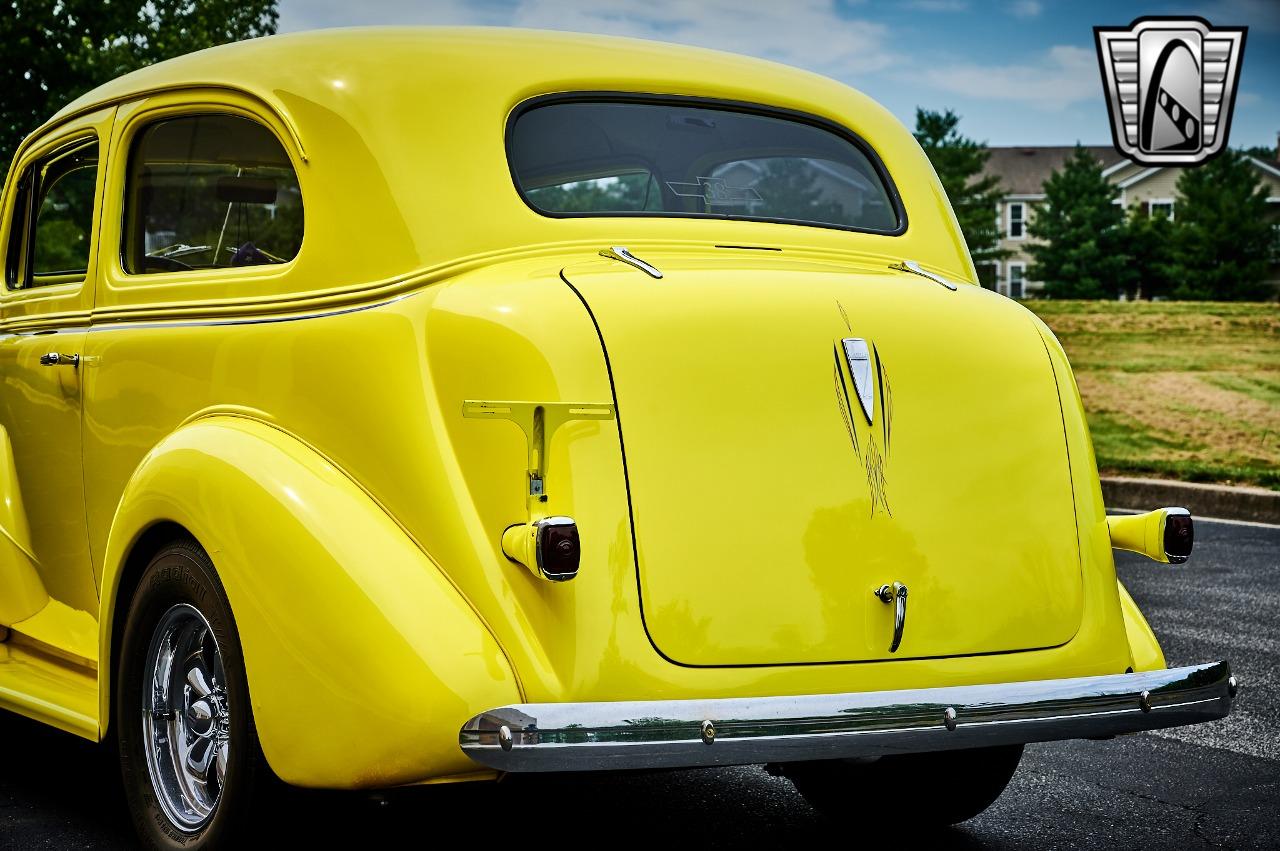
(1160,207)
(1017,273)
(1017,220)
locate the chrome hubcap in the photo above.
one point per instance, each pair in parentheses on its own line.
(185,718)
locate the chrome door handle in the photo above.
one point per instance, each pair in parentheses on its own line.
(55,359)
(896,594)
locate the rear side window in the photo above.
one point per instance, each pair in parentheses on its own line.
(52,231)
(209,191)
(632,157)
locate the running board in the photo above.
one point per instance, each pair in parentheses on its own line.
(48,688)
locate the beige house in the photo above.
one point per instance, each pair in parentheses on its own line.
(1023,171)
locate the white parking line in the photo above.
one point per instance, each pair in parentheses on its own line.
(1200,519)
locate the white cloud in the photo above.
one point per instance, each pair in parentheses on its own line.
(1026,8)
(1064,75)
(807,33)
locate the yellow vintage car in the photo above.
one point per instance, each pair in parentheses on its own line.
(409,406)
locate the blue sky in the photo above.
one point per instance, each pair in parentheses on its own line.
(1019,72)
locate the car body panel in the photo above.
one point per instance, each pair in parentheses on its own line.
(24,592)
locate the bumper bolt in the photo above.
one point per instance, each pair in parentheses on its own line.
(504,737)
(1233,685)
(708,732)
(1144,700)
(949,718)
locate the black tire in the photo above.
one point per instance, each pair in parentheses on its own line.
(950,786)
(180,576)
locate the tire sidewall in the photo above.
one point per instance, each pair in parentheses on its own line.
(181,573)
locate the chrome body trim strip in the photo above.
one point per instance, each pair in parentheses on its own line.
(211,322)
(533,737)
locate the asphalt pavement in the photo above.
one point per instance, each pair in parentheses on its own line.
(1209,786)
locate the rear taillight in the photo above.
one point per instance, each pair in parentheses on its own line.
(549,547)
(1179,535)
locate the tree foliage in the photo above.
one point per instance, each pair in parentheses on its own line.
(1083,252)
(793,192)
(1149,243)
(1224,237)
(52,51)
(959,161)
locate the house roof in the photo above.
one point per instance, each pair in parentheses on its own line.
(1023,169)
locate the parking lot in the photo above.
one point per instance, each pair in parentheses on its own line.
(1214,785)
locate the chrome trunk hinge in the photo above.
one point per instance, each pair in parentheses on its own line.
(620,252)
(914,268)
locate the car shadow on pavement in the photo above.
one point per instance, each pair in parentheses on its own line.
(58,790)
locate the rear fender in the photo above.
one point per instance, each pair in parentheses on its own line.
(363,660)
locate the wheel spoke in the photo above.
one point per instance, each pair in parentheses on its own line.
(197,680)
(199,765)
(201,711)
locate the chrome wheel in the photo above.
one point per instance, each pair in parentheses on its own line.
(185,718)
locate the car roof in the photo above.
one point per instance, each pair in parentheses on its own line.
(367,55)
(402,129)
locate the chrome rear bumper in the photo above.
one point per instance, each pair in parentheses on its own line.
(741,731)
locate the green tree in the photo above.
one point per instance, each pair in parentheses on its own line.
(52,51)
(1081,251)
(792,191)
(1149,243)
(1223,235)
(959,161)
(632,192)
(1267,155)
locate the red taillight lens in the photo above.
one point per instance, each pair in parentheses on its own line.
(1179,537)
(558,549)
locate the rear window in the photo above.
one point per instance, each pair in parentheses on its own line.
(622,157)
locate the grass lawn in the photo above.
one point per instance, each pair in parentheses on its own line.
(1185,390)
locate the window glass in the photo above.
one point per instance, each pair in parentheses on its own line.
(51,227)
(1017,223)
(62,233)
(210,191)
(660,159)
(1017,272)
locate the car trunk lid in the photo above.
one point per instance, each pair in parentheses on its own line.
(767,506)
